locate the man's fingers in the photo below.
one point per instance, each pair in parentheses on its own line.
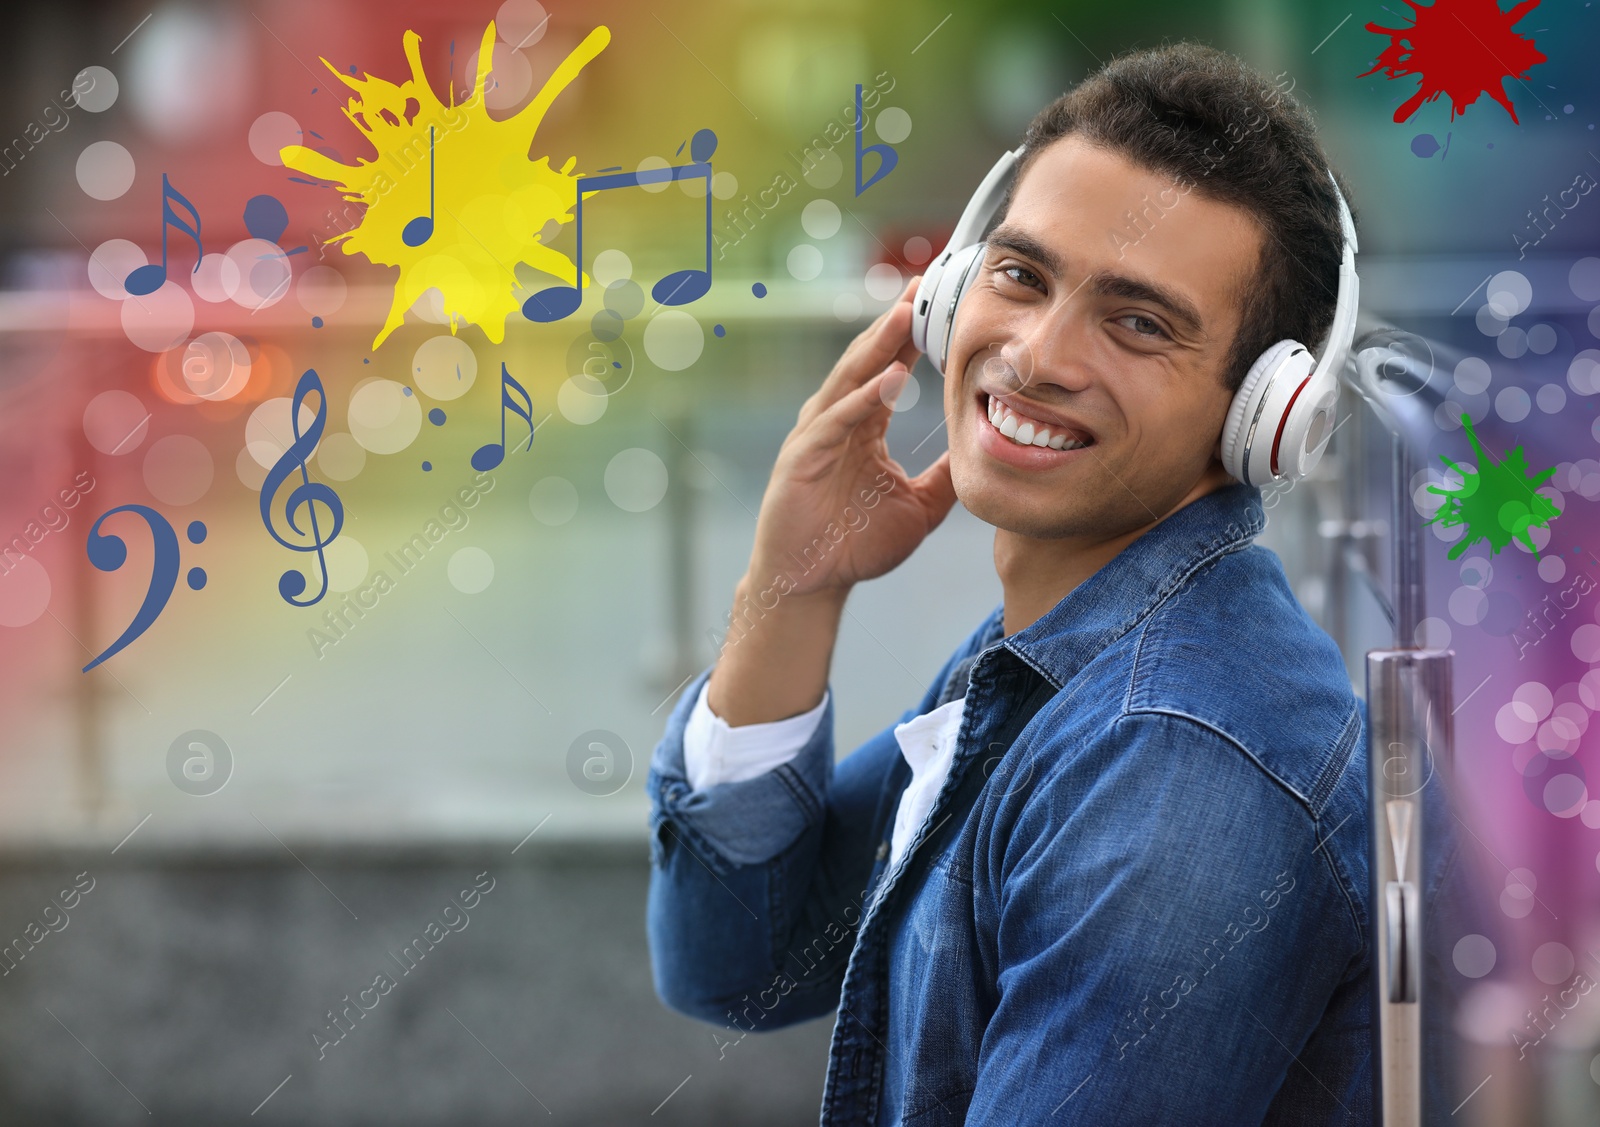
(835,424)
(885,339)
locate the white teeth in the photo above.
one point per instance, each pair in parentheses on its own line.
(1026,432)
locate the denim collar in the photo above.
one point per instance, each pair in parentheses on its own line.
(1117,597)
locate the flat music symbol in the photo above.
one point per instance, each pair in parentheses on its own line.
(420,229)
(150,278)
(109,552)
(678,288)
(491,454)
(307,495)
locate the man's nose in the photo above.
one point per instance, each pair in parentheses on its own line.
(1045,348)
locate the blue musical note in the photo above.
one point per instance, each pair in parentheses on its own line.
(490,455)
(678,288)
(108,553)
(307,495)
(149,279)
(887,157)
(420,229)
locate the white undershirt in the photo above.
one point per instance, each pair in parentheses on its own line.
(714,752)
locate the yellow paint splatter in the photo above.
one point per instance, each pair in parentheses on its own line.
(490,200)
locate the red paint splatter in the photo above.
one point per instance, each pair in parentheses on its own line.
(1462,48)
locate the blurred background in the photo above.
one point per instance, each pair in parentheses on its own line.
(215,839)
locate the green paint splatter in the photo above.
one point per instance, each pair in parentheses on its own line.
(1496,503)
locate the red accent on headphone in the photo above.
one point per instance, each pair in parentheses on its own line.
(1284,421)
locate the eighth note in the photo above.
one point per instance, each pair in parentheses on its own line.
(678,288)
(491,454)
(150,278)
(420,229)
(109,552)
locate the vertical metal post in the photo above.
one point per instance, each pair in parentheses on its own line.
(1409,731)
(1409,740)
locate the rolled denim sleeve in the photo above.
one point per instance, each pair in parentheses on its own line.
(757,887)
(738,867)
(1170,935)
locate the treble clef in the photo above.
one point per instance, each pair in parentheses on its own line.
(305,495)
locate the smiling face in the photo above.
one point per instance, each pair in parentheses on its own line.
(1104,340)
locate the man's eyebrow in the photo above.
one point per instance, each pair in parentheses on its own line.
(1178,308)
(1104,283)
(1014,238)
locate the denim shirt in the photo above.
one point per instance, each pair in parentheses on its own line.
(1140,896)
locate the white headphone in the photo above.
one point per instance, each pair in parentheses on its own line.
(1282,415)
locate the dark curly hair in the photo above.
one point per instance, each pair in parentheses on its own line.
(1206,118)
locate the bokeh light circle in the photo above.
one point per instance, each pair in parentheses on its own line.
(268,433)
(217,280)
(263,273)
(321,291)
(820,219)
(825,169)
(24,592)
(347,563)
(272,131)
(1509,293)
(110,264)
(553,501)
(105,170)
(1512,404)
(115,422)
(444,367)
(611,266)
(95,89)
(1584,278)
(636,480)
(382,417)
(1583,373)
(673,340)
(470,570)
(1553,963)
(892,124)
(158,321)
(581,400)
(521,23)
(883,282)
(340,456)
(509,79)
(1473,955)
(804,262)
(178,469)
(652,164)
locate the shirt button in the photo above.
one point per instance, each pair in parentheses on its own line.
(883,850)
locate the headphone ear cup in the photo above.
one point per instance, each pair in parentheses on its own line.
(941,291)
(1242,435)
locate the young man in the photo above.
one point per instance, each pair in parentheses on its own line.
(1112,867)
